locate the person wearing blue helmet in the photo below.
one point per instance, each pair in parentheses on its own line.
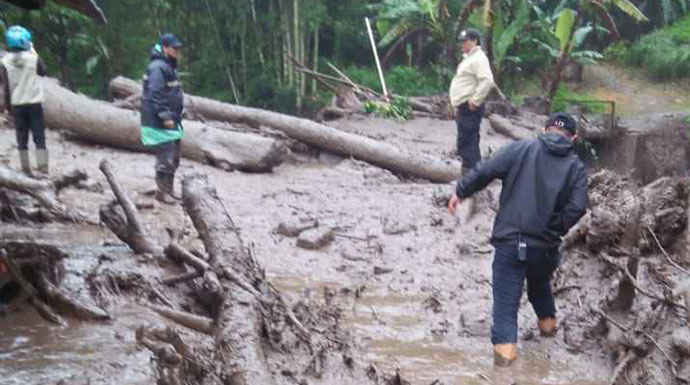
(20,69)
(161,114)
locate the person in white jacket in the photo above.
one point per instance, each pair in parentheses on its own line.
(471,84)
(20,69)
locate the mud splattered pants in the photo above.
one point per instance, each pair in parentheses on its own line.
(508,277)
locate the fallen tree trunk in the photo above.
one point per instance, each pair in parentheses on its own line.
(328,138)
(99,122)
(129,228)
(507,128)
(238,327)
(42,190)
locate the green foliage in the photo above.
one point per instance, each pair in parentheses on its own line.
(664,54)
(399,108)
(564,24)
(566,97)
(399,80)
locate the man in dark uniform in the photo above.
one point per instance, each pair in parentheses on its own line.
(544,194)
(161,114)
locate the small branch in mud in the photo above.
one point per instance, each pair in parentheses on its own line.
(129,230)
(15,272)
(668,257)
(651,339)
(172,281)
(195,322)
(79,310)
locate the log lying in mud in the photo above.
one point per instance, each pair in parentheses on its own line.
(99,122)
(506,127)
(43,190)
(328,138)
(238,326)
(127,228)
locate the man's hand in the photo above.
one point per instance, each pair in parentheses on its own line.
(472,106)
(453,203)
(3,268)
(169,124)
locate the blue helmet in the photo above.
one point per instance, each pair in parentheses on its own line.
(18,37)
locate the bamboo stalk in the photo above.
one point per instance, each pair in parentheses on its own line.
(376,58)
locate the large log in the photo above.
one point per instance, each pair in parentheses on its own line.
(238,326)
(328,138)
(99,122)
(43,191)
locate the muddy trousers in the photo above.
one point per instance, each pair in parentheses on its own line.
(468,123)
(508,277)
(29,118)
(167,161)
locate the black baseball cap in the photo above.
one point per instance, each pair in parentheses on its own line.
(562,120)
(470,34)
(170,40)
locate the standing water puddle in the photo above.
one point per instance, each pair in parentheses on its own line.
(394,334)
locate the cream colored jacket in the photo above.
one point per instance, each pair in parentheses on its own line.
(473,79)
(22,73)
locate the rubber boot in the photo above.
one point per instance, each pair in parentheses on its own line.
(170,184)
(504,354)
(24,161)
(162,192)
(42,162)
(547,327)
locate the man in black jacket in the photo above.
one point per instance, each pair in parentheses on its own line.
(161,113)
(544,194)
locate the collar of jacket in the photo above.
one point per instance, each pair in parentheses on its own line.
(472,52)
(158,54)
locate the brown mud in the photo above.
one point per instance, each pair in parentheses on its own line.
(411,284)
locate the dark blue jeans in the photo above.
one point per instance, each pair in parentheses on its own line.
(468,123)
(508,277)
(29,118)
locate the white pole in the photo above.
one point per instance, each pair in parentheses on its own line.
(376,57)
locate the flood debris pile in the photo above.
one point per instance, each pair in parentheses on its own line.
(245,331)
(620,278)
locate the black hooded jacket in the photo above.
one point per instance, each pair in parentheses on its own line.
(544,190)
(162,95)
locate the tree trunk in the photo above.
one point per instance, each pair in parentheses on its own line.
(562,60)
(238,326)
(129,228)
(43,191)
(99,122)
(315,63)
(379,153)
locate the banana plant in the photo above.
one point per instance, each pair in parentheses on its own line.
(504,36)
(400,21)
(568,24)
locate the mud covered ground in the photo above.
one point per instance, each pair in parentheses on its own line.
(413,282)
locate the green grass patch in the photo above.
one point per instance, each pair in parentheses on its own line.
(663,54)
(565,98)
(401,80)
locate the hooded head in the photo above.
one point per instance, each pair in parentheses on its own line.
(560,131)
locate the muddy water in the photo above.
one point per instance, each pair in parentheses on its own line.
(392,328)
(33,351)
